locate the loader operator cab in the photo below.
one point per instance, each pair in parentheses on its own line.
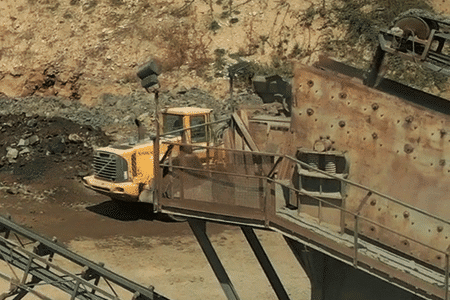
(175,119)
(122,172)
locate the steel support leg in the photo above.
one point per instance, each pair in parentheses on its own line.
(22,293)
(332,279)
(314,266)
(265,263)
(199,229)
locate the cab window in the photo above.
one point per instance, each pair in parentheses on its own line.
(172,123)
(198,134)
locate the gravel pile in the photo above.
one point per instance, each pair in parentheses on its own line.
(122,110)
(33,145)
(41,133)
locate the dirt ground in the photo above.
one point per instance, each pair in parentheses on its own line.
(83,49)
(153,252)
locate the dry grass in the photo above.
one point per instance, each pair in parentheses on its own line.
(185,43)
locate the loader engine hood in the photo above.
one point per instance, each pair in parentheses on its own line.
(117,163)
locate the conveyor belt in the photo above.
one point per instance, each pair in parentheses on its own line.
(33,254)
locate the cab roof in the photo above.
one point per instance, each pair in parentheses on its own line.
(187,111)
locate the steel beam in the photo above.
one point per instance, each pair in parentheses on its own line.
(42,269)
(265,263)
(199,229)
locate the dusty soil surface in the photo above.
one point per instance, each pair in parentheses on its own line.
(84,49)
(165,255)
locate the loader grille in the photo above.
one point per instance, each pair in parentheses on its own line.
(110,166)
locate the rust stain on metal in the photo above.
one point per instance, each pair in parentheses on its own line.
(400,152)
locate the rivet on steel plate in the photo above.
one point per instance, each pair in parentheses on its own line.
(375,106)
(341,123)
(409,119)
(405,242)
(373,202)
(310,83)
(440,228)
(442,162)
(408,148)
(310,111)
(442,132)
(406,214)
(374,135)
(342,95)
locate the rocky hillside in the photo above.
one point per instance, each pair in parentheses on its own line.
(85,49)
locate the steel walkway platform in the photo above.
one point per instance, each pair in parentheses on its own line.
(242,194)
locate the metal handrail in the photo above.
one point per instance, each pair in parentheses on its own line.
(399,202)
(355,215)
(223,149)
(307,166)
(194,127)
(358,218)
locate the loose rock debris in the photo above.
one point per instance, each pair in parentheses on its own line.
(32,145)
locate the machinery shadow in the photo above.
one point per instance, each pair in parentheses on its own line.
(125,211)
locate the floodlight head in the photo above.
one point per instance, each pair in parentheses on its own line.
(148,74)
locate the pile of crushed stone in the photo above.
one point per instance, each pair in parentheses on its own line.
(122,110)
(33,147)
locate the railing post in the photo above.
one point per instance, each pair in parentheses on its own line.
(156,150)
(181,182)
(172,177)
(355,244)
(342,223)
(446,275)
(266,202)
(269,201)
(320,212)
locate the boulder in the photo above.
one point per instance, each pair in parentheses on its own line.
(33,140)
(12,153)
(23,143)
(73,137)
(24,151)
